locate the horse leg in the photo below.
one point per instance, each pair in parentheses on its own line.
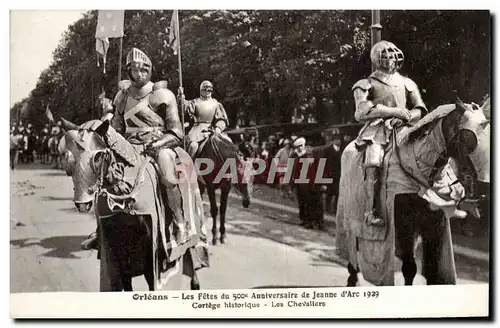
(409,270)
(195,282)
(213,211)
(202,188)
(352,280)
(126,282)
(225,188)
(189,269)
(405,235)
(149,268)
(432,231)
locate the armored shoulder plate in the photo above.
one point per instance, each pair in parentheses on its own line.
(363,84)
(124,84)
(162,96)
(160,85)
(410,85)
(120,97)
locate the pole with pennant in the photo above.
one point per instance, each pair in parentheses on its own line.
(175,43)
(110,24)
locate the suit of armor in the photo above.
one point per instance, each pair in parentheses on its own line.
(145,113)
(206,115)
(384,100)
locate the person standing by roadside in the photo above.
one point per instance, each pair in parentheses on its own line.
(308,191)
(282,158)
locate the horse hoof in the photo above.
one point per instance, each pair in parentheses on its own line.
(214,242)
(195,286)
(352,282)
(222,240)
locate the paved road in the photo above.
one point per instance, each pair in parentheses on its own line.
(265,247)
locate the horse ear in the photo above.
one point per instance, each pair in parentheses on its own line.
(460,106)
(103,128)
(69,125)
(486,108)
(79,146)
(484,123)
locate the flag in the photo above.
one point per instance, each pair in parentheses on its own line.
(109,25)
(48,113)
(102,46)
(173,37)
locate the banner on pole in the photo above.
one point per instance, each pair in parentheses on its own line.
(48,113)
(102,46)
(173,37)
(109,25)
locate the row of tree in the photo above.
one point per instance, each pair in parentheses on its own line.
(267,65)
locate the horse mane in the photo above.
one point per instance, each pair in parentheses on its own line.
(426,123)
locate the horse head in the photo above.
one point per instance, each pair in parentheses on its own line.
(86,147)
(467,134)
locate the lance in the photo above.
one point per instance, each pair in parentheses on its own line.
(177,48)
(376,29)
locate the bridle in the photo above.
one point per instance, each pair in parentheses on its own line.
(100,170)
(454,150)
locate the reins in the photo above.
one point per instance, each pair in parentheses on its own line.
(98,187)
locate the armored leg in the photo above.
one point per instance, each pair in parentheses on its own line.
(373,161)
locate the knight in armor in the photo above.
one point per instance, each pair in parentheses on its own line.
(146,114)
(384,101)
(207,116)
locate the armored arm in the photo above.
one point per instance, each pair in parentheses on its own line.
(165,103)
(419,109)
(189,110)
(366,110)
(220,118)
(116,116)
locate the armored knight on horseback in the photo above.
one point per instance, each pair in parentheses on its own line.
(384,101)
(207,116)
(146,114)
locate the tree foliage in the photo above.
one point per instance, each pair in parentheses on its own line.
(267,65)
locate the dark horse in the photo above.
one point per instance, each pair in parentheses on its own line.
(131,241)
(416,159)
(229,166)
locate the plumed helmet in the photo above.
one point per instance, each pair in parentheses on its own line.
(206,85)
(386,56)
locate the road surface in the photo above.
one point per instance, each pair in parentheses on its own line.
(265,248)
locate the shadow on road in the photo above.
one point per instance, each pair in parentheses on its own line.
(320,245)
(52,198)
(54,174)
(36,166)
(59,246)
(72,210)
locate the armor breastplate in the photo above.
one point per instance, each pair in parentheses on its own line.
(205,110)
(140,117)
(389,92)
